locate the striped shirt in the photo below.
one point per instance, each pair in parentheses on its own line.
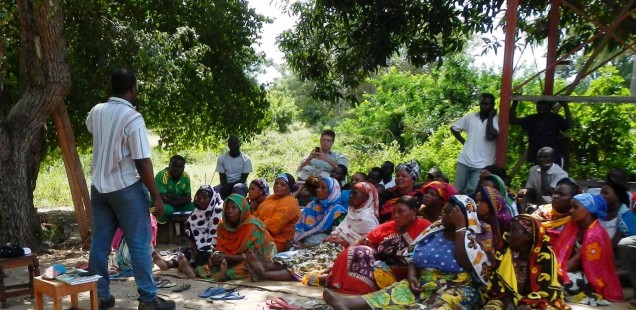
(119,137)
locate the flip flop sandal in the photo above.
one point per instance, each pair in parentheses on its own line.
(211,291)
(321,307)
(166,284)
(182,287)
(280,303)
(230,295)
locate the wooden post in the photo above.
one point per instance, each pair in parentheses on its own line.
(74,172)
(506,81)
(553,40)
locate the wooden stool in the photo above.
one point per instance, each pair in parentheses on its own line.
(178,217)
(57,290)
(31,261)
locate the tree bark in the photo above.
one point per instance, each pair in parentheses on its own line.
(45,81)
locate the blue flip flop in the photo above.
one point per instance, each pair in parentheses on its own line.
(211,291)
(231,295)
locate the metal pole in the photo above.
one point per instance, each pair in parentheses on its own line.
(506,81)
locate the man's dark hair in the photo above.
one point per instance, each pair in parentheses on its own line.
(233,138)
(122,81)
(344,168)
(179,157)
(329,132)
(488,95)
(376,169)
(389,163)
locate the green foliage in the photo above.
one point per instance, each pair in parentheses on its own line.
(283,111)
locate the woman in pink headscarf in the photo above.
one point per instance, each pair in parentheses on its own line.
(434,195)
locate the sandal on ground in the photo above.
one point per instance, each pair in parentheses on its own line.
(280,303)
(211,291)
(229,295)
(165,283)
(182,287)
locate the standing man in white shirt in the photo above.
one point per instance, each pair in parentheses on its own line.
(122,176)
(233,167)
(479,146)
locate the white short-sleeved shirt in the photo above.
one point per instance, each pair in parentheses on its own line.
(233,167)
(477,152)
(555,174)
(119,137)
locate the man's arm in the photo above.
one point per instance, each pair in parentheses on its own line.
(457,135)
(569,122)
(223,178)
(513,114)
(147,175)
(491,132)
(243,178)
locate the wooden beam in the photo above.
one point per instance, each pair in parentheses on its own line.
(506,81)
(577,99)
(74,172)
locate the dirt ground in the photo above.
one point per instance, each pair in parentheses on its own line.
(125,291)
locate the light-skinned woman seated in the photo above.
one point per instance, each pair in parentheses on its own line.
(306,265)
(584,254)
(238,232)
(280,212)
(354,269)
(448,258)
(525,274)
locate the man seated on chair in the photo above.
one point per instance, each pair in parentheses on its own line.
(233,167)
(174,188)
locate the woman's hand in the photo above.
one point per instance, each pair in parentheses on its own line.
(414,285)
(216,259)
(457,218)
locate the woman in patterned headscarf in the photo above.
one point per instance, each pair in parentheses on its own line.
(435,195)
(405,177)
(256,193)
(448,257)
(492,209)
(525,271)
(584,253)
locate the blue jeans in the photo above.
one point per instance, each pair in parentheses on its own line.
(127,208)
(466,179)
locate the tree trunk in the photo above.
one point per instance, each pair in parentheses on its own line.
(45,82)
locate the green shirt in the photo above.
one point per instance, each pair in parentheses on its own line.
(167,185)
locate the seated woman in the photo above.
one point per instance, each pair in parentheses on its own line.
(280,212)
(405,177)
(353,269)
(434,195)
(256,193)
(584,254)
(320,216)
(555,215)
(496,182)
(447,258)
(492,209)
(120,264)
(308,263)
(525,273)
(620,221)
(238,232)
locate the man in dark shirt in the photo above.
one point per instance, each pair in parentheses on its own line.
(544,129)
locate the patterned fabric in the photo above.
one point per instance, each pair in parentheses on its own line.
(353,269)
(319,215)
(441,258)
(249,234)
(391,195)
(202,224)
(477,239)
(503,190)
(315,259)
(262,184)
(439,291)
(594,203)
(412,168)
(542,287)
(443,189)
(501,217)
(279,214)
(359,222)
(122,261)
(552,221)
(597,259)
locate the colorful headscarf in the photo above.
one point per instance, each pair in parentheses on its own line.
(412,168)
(443,189)
(359,222)
(594,203)
(319,215)
(503,190)
(262,184)
(203,223)
(545,289)
(477,239)
(288,178)
(230,239)
(501,213)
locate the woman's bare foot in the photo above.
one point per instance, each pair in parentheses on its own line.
(253,276)
(221,276)
(254,266)
(343,303)
(184,266)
